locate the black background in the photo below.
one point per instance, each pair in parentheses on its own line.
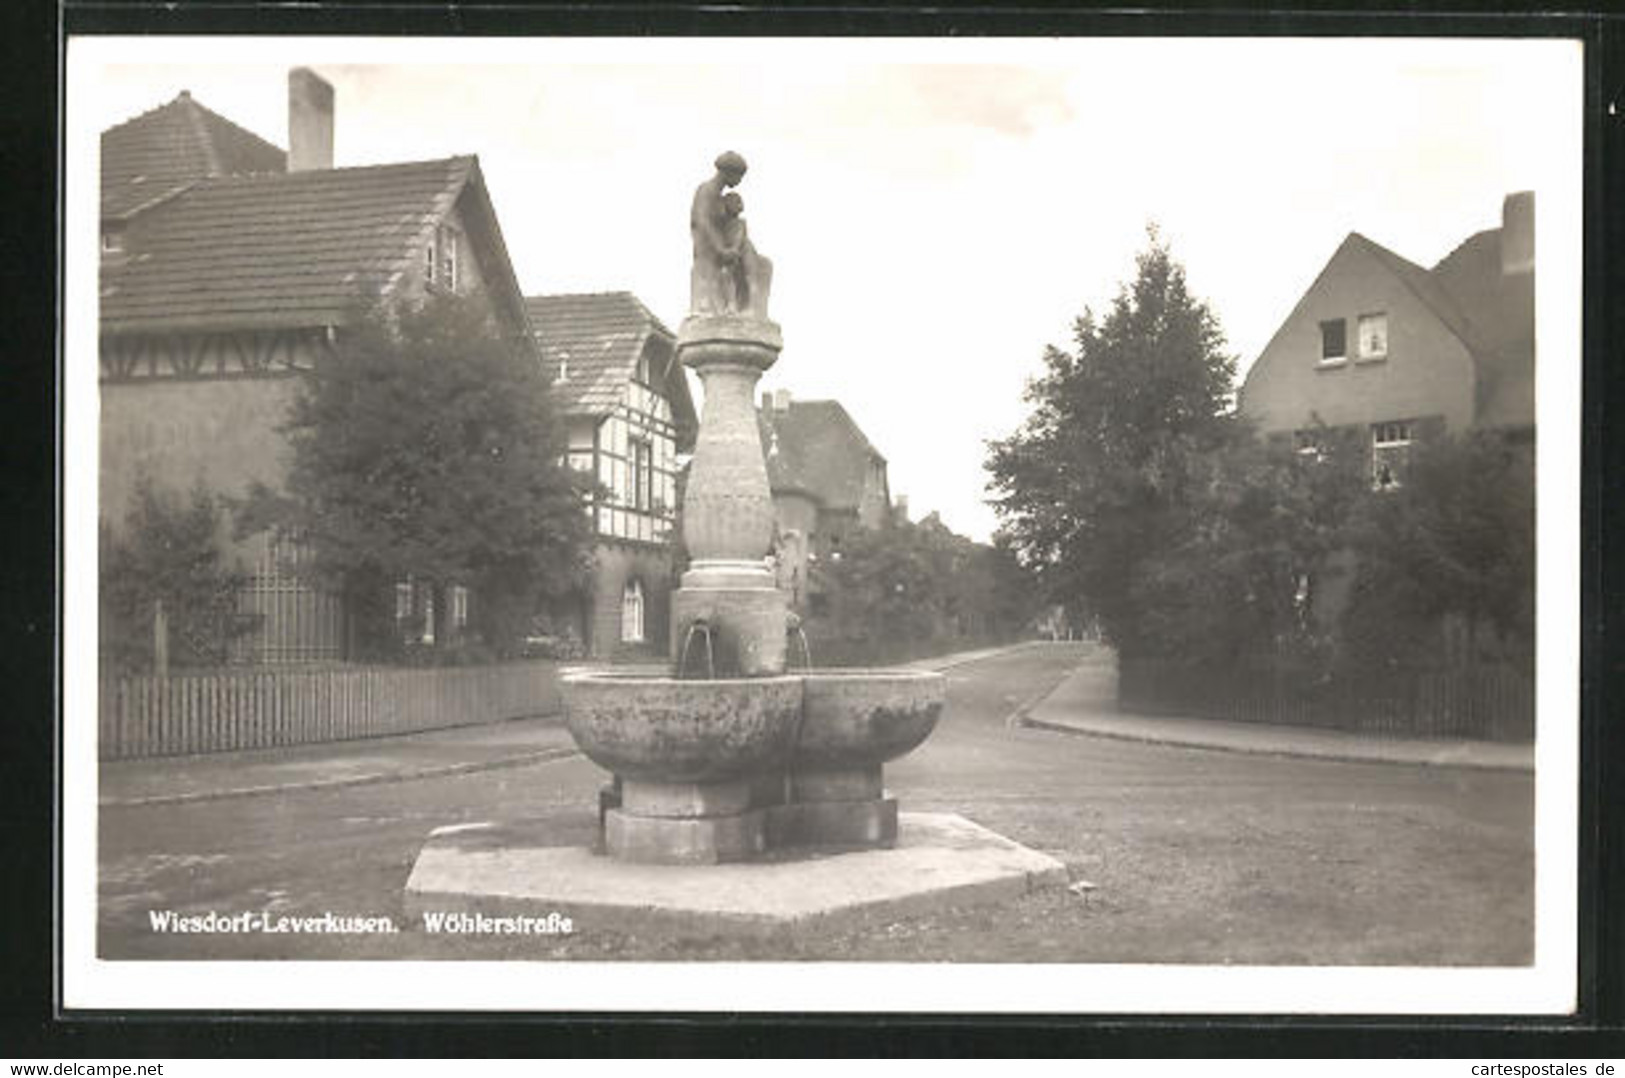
(31,1024)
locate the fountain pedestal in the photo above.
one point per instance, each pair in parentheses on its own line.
(728,506)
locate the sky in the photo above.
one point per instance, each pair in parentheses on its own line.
(937,211)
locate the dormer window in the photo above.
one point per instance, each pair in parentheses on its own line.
(1334,342)
(1373,337)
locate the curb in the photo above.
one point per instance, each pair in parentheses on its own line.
(371,779)
(947,662)
(1020,719)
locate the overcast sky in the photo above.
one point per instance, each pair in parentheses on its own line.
(936,211)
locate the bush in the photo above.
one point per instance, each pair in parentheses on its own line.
(168,551)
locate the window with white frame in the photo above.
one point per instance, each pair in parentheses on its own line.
(1373,336)
(1390,452)
(403,601)
(632,613)
(441,258)
(1334,346)
(459,607)
(449,258)
(642,478)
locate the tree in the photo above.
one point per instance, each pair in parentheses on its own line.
(425,448)
(1264,522)
(168,555)
(1454,543)
(902,585)
(1097,484)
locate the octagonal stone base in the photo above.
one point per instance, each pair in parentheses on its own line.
(940,860)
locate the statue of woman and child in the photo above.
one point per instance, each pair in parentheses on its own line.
(729,276)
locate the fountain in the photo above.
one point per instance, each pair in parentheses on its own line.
(734,762)
(728,767)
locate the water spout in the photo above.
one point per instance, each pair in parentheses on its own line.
(703,627)
(792,624)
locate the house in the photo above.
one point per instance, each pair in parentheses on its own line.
(1394,354)
(228,268)
(1398,352)
(826,478)
(629,415)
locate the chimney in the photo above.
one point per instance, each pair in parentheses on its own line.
(899,506)
(310,121)
(1518,233)
(781,400)
(767,400)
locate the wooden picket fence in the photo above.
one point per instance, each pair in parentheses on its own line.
(228,710)
(1482,702)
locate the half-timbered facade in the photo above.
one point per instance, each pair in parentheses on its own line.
(629,413)
(224,276)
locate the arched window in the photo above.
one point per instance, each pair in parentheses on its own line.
(632,613)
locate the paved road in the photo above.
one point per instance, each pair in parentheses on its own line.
(1197,856)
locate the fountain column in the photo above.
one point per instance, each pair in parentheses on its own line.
(727,506)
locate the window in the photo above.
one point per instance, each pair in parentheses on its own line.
(641,486)
(403,602)
(113,241)
(1308,445)
(1390,451)
(440,258)
(1373,336)
(632,613)
(459,607)
(1334,341)
(448,259)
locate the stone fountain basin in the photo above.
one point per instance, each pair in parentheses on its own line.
(862,718)
(652,728)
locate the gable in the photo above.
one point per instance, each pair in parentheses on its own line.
(815,448)
(164,150)
(1428,369)
(591,344)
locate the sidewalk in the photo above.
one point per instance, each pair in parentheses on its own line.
(173,779)
(517,743)
(1085,703)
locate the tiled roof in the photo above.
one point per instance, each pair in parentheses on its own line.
(814,447)
(164,149)
(596,339)
(289,249)
(1500,308)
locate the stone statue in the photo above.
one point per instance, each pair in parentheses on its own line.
(729,276)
